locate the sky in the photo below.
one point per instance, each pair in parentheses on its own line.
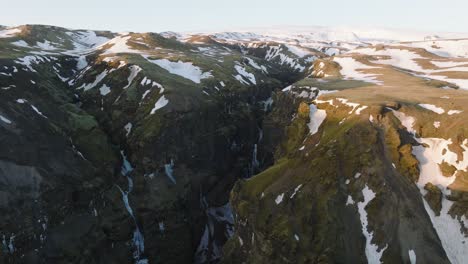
(204,15)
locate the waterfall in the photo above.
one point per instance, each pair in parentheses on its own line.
(138,238)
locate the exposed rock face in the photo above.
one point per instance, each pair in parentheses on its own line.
(148,148)
(111,159)
(306,208)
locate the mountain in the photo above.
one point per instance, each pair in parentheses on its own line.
(283,145)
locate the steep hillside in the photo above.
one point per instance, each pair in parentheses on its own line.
(232,147)
(181,119)
(375,172)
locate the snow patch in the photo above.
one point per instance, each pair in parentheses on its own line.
(412,256)
(128,128)
(352,105)
(4,119)
(243,72)
(9,32)
(298,51)
(37,111)
(184,69)
(279,198)
(406,121)
(99,78)
(104,90)
(134,70)
(21,43)
(295,191)
(46,45)
(317,116)
(437,152)
(454,112)
(352,69)
(119,45)
(162,101)
(373,253)
(358,111)
(433,108)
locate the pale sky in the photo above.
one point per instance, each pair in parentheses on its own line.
(199,15)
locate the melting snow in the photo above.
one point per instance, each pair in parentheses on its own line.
(249,76)
(134,70)
(183,69)
(128,128)
(372,251)
(104,90)
(46,45)
(21,43)
(350,200)
(10,32)
(400,58)
(81,62)
(23,101)
(275,52)
(98,79)
(279,198)
(29,60)
(162,101)
(256,66)
(351,69)
(295,191)
(352,105)
(433,108)
(412,256)
(145,94)
(358,111)
(4,119)
(406,121)
(436,152)
(298,51)
(453,112)
(317,116)
(37,111)
(449,230)
(448,64)
(431,153)
(86,39)
(444,48)
(119,45)
(406,59)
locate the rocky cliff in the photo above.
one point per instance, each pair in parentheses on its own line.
(169,148)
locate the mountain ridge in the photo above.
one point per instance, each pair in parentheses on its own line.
(204,148)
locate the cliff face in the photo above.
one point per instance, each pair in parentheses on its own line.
(371,174)
(125,148)
(335,196)
(149,148)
